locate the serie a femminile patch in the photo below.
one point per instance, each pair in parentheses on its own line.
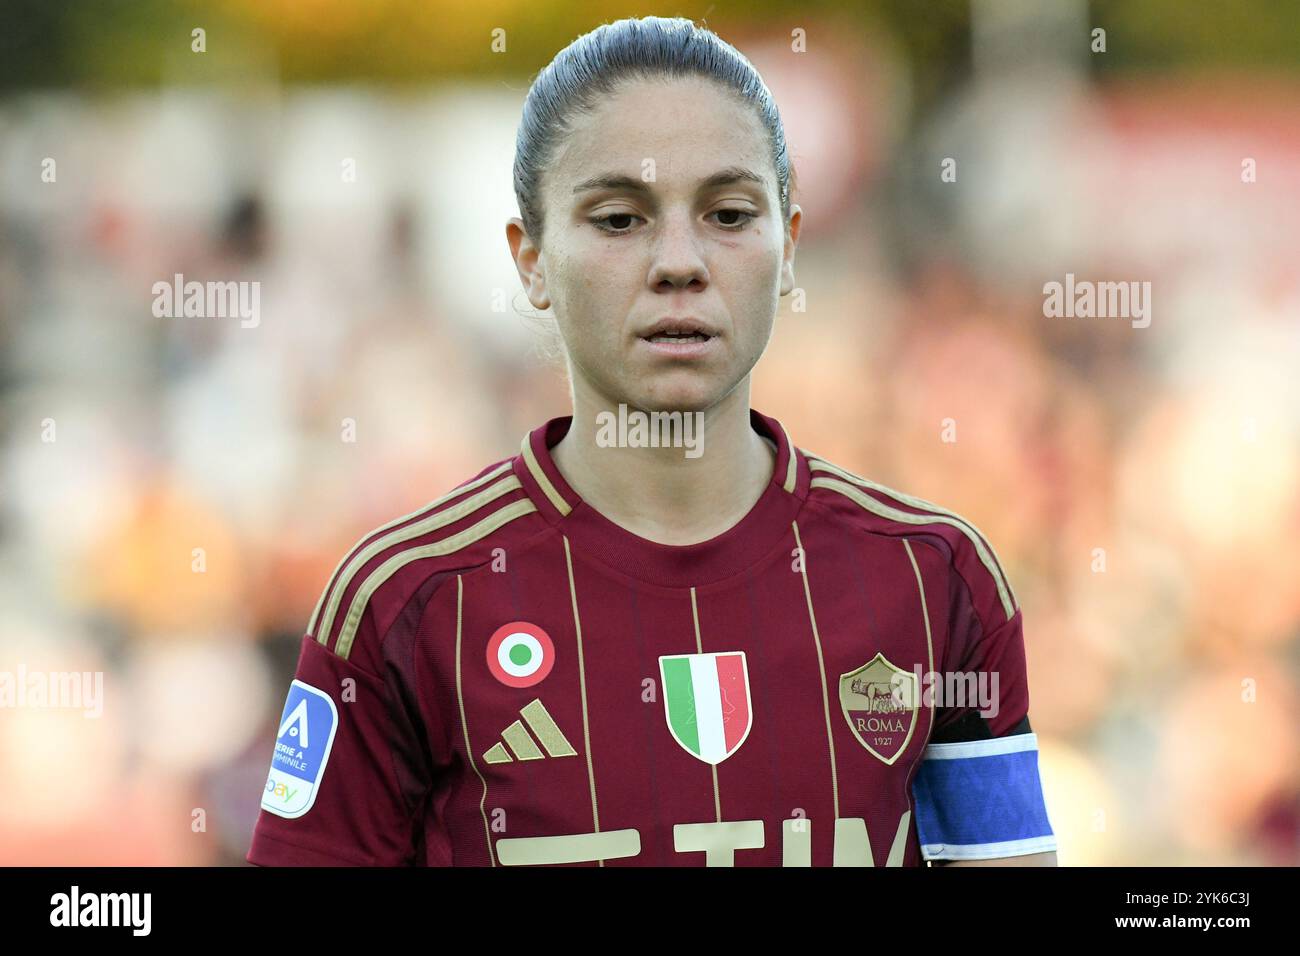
(302,748)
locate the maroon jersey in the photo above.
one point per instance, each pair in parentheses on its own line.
(507,677)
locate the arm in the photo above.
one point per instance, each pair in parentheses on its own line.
(978,793)
(347,779)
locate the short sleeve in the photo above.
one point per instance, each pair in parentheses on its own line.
(987,652)
(978,793)
(347,784)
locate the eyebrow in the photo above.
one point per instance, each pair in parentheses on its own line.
(723,177)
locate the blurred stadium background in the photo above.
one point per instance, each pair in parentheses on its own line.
(1164,687)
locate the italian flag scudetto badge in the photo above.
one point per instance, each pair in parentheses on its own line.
(707,702)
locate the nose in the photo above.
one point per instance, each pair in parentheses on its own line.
(678,258)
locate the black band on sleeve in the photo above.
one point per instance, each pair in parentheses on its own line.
(971,726)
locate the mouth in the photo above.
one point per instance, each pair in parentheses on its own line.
(682,337)
(679,337)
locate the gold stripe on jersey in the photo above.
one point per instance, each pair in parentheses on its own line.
(821,666)
(439,519)
(900,847)
(543,482)
(464,724)
(791,467)
(582,687)
(906,517)
(461,539)
(470,486)
(925,614)
(821,464)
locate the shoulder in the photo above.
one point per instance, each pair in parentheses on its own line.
(878,509)
(403,562)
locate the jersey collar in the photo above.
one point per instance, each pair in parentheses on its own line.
(765,526)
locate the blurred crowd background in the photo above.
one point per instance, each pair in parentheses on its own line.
(1141,485)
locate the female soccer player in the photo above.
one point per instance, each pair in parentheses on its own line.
(661,634)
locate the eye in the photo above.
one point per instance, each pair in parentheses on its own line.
(733,226)
(606,223)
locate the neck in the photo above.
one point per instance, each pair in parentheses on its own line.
(660,493)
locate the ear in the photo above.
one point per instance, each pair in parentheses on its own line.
(787,255)
(528,262)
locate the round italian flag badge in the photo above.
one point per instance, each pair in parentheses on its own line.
(520,654)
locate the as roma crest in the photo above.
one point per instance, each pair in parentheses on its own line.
(880,702)
(707,703)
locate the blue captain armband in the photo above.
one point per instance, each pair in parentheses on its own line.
(981,799)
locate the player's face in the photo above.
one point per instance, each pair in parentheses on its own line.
(648,222)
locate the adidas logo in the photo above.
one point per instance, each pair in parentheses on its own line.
(542,726)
